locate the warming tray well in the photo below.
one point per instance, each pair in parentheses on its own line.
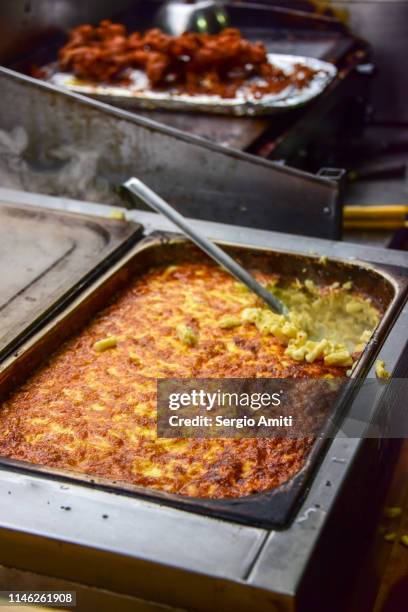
(272,508)
(46,257)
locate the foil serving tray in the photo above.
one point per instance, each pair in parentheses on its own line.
(137,94)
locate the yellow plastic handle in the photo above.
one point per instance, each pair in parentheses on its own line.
(388,211)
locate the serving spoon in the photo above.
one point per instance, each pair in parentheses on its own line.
(152,199)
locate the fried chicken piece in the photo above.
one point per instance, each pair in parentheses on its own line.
(216,64)
(156,67)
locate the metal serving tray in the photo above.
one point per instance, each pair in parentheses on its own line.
(46,257)
(139,95)
(386,285)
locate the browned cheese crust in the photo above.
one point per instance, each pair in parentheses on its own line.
(95,412)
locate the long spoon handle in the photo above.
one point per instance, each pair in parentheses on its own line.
(142,191)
